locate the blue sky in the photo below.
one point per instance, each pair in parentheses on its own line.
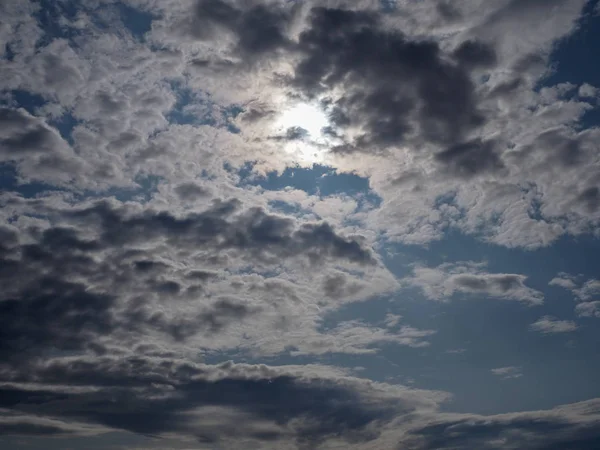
(299,225)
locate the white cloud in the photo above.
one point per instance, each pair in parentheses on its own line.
(552,325)
(587,90)
(588,309)
(509,372)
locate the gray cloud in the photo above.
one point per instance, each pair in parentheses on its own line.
(417,92)
(271,406)
(159,396)
(254,232)
(443,282)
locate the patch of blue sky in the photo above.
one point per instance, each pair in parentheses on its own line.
(146,187)
(142,192)
(197,108)
(575,59)
(137,21)
(9,182)
(477,327)
(65,125)
(51,18)
(318,180)
(32,103)
(29,101)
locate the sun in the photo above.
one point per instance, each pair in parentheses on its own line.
(301,127)
(304,115)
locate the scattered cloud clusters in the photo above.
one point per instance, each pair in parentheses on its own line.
(584,292)
(155,221)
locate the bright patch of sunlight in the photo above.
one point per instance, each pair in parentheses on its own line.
(307,144)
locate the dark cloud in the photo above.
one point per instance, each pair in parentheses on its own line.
(471,158)
(21,133)
(419,91)
(475,54)
(214,318)
(447,10)
(52,314)
(338,286)
(503,282)
(590,198)
(530,430)
(66,292)
(156,396)
(253,233)
(258,29)
(191,191)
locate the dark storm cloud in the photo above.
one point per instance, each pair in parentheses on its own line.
(156,396)
(395,88)
(253,233)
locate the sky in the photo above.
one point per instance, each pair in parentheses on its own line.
(298,224)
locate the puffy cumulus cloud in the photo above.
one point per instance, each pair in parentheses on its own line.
(139,233)
(552,325)
(151,104)
(588,309)
(109,276)
(587,90)
(449,279)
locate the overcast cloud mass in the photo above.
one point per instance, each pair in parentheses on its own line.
(299,224)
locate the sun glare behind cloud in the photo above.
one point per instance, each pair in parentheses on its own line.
(311,120)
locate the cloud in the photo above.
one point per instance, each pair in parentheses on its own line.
(588,309)
(583,291)
(443,282)
(418,93)
(587,90)
(38,149)
(100,280)
(147,226)
(272,407)
(572,426)
(159,397)
(507,373)
(551,325)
